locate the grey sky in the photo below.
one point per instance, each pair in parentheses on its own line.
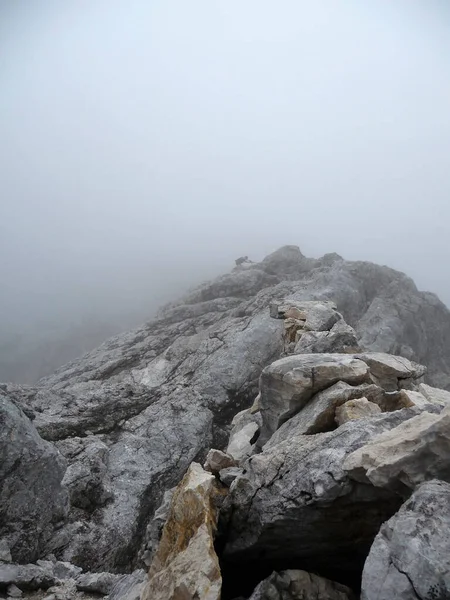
(145,145)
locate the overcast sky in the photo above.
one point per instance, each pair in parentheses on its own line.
(149,143)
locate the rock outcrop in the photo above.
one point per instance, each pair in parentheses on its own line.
(128,420)
(299,585)
(33,501)
(410,557)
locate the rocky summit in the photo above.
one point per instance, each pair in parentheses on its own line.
(314,394)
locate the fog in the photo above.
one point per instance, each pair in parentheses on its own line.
(146,145)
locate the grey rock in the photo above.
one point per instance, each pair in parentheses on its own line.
(345,342)
(318,415)
(61,570)
(392,372)
(99,583)
(13,591)
(300,585)
(289,383)
(227,476)
(434,395)
(162,395)
(5,552)
(406,456)
(129,587)
(295,502)
(33,499)
(26,577)
(245,429)
(155,527)
(410,557)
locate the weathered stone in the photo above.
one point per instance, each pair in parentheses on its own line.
(356,409)
(25,577)
(435,395)
(227,476)
(98,583)
(295,503)
(300,585)
(155,528)
(319,414)
(406,456)
(61,570)
(245,429)
(216,460)
(5,553)
(129,587)
(410,557)
(13,591)
(288,384)
(342,342)
(33,500)
(185,564)
(391,372)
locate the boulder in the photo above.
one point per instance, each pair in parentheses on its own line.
(410,557)
(300,585)
(26,577)
(406,456)
(356,409)
(435,395)
(227,476)
(245,429)
(216,460)
(129,587)
(97,583)
(33,500)
(288,384)
(342,342)
(392,372)
(185,564)
(318,415)
(294,504)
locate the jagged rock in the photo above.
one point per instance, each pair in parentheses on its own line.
(155,527)
(392,372)
(185,564)
(227,476)
(61,570)
(314,342)
(26,577)
(434,395)
(33,500)
(5,552)
(296,504)
(410,557)
(98,583)
(216,460)
(129,587)
(356,409)
(406,456)
(64,590)
(13,591)
(288,384)
(318,415)
(87,477)
(300,585)
(162,395)
(245,428)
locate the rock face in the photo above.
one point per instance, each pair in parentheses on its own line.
(410,557)
(356,409)
(300,585)
(130,416)
(185,564)
(296,505)
(33,500)
(401,459)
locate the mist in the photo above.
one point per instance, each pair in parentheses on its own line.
(146,145)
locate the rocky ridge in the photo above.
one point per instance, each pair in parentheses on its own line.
(308,478)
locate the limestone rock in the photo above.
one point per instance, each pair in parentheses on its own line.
(26,577)
(227,476)
(33,500)
(342,342)
(404,457)
(289,383)
(410,557)
(5,552)
(98,583)
(185,564)
(129,587)
(13,591)
(391,372)
(295,502)
(300,585)
(356,409)
(319,414)
(216,460)
(245,429)
(435,395)
(155,528)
